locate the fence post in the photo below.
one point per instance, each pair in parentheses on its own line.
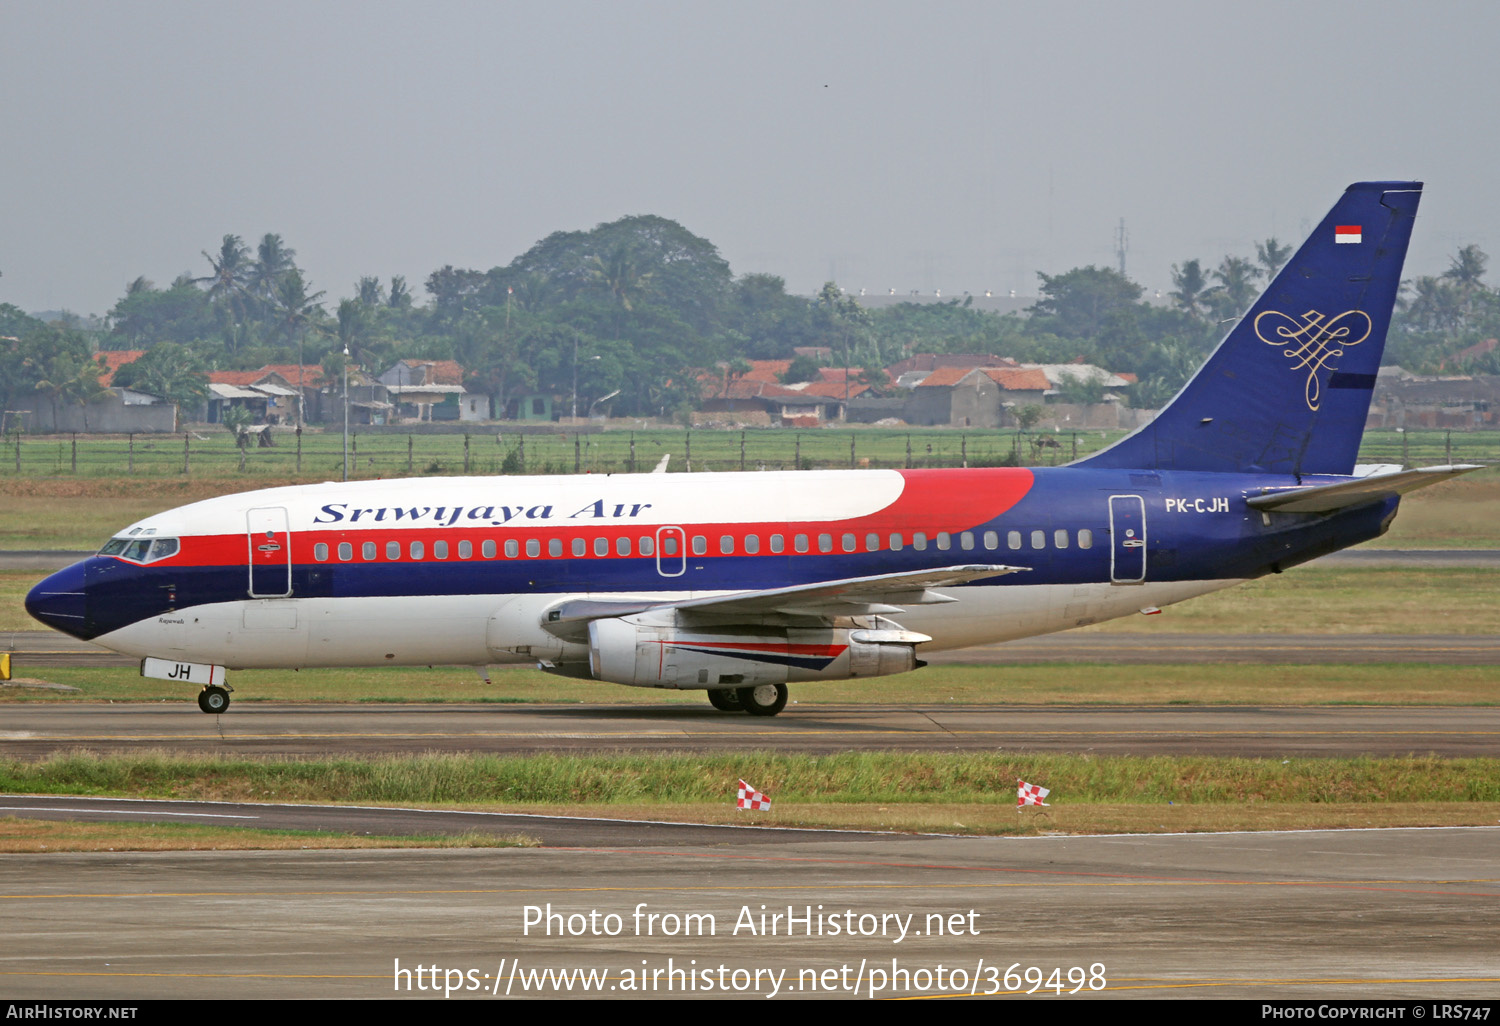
(1075,448)
(908,452)
(688,445)
(577,454)
(797,460)
(632,452)
(408,455)
(1405,462)
(185,448)
(742,452)
(75,452)
(130,455)
(851,450)
(18,452)
(521,453)
(466,455)
(963,451)
(299,448)
(1448,449)
(353,453)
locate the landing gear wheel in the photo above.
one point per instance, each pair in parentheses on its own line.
(763,699)
(213,700)
(725,699)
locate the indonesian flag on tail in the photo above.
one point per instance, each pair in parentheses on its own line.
(1347,233)
(750,798)
(1030,794)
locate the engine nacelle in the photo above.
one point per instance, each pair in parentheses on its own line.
(626,651)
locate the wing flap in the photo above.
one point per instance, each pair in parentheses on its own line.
(855,596)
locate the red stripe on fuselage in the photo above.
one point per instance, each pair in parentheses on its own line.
(930,501)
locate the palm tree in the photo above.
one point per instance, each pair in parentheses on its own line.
(1272,256)
(295,310)
(1191,284)
(1236,289)
(273,261)
(226,286)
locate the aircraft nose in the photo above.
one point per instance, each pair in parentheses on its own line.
(59,601)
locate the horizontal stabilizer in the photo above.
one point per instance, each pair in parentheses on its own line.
(1329,498)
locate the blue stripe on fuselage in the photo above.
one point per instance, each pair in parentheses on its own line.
(1190,535)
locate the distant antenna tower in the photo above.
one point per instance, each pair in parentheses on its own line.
(1122,245)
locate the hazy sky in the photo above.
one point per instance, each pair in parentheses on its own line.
(958,145)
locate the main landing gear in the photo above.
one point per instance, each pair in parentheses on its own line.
(213,699)
(761,700)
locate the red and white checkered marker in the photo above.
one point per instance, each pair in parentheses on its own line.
(1030,794)
(750,798)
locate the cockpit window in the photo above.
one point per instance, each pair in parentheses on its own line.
(140,550)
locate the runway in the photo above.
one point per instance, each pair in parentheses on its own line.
(40,649)
(1372,915)
(35,730)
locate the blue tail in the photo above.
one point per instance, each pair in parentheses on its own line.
(1288,390)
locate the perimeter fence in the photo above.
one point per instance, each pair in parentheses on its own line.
(492,449)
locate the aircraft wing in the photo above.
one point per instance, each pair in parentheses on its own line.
(1329,498)
(854,596)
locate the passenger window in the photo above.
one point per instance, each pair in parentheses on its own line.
(1085,538)
(1039,539)
(487,548)
(440,550)
(800,543)
(346,551)
(601,546)
(726,545)
(700,545)
(465,549)
(825,543)
(392,550)
(513,549)
(991,540)
(417,549)
(622,546)
(848,543)
(648,546)
(919,541)
(1013,539)
(320,552)
(778,544)
(944,541)
(872,542)
(966,540)
(554,548)
(895,543)
(580,547)
(533,547)
(367,550)
(1060,538)
(752,543)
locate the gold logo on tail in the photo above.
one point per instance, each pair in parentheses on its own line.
(1315,342)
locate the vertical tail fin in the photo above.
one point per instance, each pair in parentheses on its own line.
(1288,390)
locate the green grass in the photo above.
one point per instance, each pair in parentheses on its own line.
(32,835)
(669,779)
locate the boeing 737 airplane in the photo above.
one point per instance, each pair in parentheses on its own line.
(739,583)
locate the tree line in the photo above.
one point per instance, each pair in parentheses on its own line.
(641,306)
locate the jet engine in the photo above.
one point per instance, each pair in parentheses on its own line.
(623,650)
